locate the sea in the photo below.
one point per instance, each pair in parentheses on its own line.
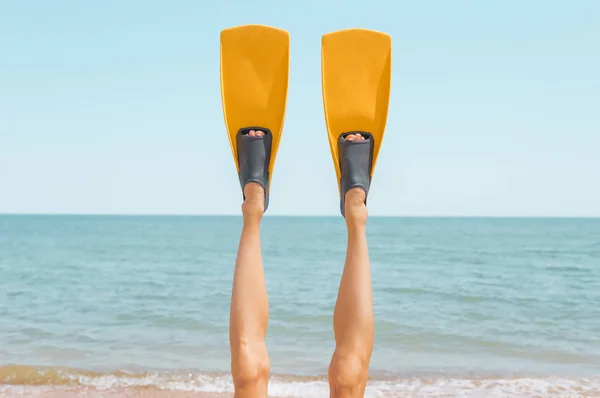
(139,305)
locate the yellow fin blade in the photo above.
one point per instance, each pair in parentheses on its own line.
(356,78)
(254,81)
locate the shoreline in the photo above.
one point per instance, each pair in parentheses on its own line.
(50,382)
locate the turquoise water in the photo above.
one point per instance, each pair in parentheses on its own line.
(460,299)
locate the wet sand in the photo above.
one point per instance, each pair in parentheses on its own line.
(131,392)
(153,392)
(146,392)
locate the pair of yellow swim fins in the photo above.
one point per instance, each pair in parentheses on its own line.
(356,76)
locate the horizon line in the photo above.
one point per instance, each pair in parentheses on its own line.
(292,215)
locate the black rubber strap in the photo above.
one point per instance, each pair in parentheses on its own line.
(356,161)
(254,156)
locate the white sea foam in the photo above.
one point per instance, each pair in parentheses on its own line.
(434,386)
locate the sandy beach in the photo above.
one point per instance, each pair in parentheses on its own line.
(148,392)
(430,387)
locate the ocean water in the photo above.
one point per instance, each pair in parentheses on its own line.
(463,307)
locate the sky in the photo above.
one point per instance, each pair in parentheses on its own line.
(114,107)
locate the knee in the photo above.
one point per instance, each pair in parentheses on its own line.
(348,373)
(250,366)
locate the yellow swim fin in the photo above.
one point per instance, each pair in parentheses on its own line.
(356,77)
(254,83)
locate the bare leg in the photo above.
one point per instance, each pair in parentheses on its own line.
(353,316)
(250,365)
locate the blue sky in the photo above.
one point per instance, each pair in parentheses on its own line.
(114,107)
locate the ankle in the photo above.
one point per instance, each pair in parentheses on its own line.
(355,209)
(254,202)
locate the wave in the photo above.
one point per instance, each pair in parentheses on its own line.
(64,382)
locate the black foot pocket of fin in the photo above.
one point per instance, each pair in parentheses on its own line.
(254,156)
(356,161)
